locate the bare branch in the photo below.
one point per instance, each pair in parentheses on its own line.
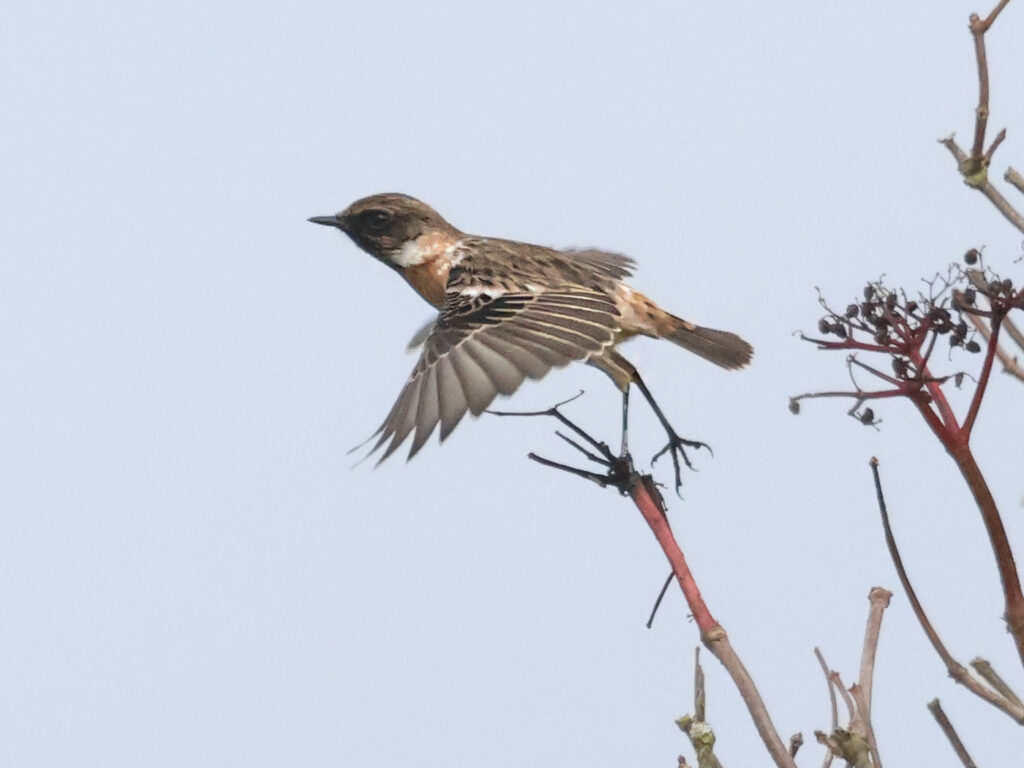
(974,167)
(1013,332)
(879,599)
(984,668)
(947,728)
(1013,177)
(983,377)
(955,669)
(866,729)
(1010,364)
(832,699)
(795,742)
(700,733)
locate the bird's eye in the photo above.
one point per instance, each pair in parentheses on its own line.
(377,221)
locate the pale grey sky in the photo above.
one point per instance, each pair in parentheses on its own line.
(193,575)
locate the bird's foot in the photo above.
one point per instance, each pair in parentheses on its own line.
(676,448)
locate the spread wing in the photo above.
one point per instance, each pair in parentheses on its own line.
(482,345)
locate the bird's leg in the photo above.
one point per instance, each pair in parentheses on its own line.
(625,422)
(624,374)
(677,445)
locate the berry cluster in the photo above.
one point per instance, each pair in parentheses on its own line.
(888,322)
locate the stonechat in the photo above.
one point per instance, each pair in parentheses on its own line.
(510,311)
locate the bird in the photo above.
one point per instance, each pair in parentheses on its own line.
(508,311)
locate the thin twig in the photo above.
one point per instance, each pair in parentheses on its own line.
(879,599)
(866,729)
(955,669)
(795,742)
(990,19)
(661,596)
(999,139)
(851,707)
(832,701)
(1012,176)
(983,378)
(981,111)
(1010,364)
(696,727)
(1013,332)
(700,698)
(978,30)
(984,668)
(951,734)
(974,167)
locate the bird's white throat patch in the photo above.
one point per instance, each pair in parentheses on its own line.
(412,253)
(425,248)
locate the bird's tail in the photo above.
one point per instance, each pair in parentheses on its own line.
(720,347)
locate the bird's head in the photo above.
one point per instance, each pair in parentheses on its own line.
(388,226)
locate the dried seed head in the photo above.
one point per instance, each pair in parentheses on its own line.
(971,257)
(852,311)
(972,346)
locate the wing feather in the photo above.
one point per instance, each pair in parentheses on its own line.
(451,395)
(483,345)
(427,410)
(402,419)
(500,370)
(521,357)
(477,385)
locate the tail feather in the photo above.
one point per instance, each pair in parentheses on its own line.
(720,347)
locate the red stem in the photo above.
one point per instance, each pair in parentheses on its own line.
(1007,566)
(654,514)
(986,371)
(648,500)
(949,422)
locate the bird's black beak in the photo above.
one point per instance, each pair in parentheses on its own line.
(328,221)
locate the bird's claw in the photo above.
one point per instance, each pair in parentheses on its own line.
(676,448)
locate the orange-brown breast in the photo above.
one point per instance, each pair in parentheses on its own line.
(430,278)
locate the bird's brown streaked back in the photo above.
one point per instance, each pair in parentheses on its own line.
(508,311)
